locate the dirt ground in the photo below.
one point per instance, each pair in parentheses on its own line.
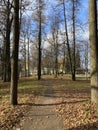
(50,104)
(43,115)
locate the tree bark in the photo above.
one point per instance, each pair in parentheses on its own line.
(28,58)
(7,64)
(56,54)
(93,50)
(25,55)
(74,43)
(67,39)
(15,48)
(39,43)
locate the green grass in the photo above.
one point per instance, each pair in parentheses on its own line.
(34,87)
(29,88)
(26,86)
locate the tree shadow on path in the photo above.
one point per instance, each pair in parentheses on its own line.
(52,104)
(89,126)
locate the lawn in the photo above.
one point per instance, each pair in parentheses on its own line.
(76,109)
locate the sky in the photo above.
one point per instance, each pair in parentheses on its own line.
(84,10)
(83,14)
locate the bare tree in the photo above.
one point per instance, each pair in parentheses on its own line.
(93,50)
(14,65)
(74,41)
(6,23)
(67,37)
(39,18)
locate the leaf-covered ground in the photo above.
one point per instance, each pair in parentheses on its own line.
(77,111)
(10,115)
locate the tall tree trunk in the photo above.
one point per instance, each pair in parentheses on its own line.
(93,50)
(7,65)
(56,54)
(15,48)
(56,65)
(63,70)
(67,39)
(25,56)
(74,43)
(39,54)
(2,61)
(39,43)
(28,59)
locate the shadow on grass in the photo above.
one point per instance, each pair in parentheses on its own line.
(69,93)
(52,104)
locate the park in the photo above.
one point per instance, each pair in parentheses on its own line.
(48,65)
